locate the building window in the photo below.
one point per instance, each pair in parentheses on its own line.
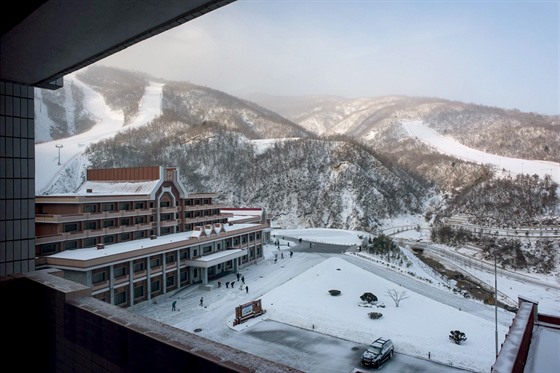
(48,248)
(155,262)
(90,242)
(124,221)
(164,204)
(124,206)
(170,258)
(184,254)
(120,298)
(139,219)
(170,281)
(139,234)
(166,230)
(90,225)
(184,276)
(108,223)
(108,239)
(90,208)
(139,206)
(99,276)
(195,253)
(71,227)
(120,271)
(139,266)
(124,237)
(108,207)
(138,291)
(155,284)
(206,250)
(70,245)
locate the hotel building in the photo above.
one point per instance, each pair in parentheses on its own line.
(133,234)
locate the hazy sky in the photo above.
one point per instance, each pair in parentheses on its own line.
(495,53)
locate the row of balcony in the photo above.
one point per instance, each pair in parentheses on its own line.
(92,233)
(70,218)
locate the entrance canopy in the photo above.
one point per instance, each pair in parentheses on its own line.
(211,260)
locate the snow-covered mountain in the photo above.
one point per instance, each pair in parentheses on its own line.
(509,133)
(382,157)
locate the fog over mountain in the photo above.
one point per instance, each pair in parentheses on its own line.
(325,162)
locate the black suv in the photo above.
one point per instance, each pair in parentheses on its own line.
(377,353)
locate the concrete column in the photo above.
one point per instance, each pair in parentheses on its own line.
(131,288)
(163,273)
(204,276)
(112,283)
(149,282)
(178,275)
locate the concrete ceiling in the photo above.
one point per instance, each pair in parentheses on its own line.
(43,40)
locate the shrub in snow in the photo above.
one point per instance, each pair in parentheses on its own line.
(334,292)
(374,315)
(457,336)
(368,297)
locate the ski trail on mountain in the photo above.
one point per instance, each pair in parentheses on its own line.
(449,146)
(109,123)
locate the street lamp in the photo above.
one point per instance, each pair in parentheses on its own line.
(59,146)
(496,298)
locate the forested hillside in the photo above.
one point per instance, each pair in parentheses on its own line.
(300,182)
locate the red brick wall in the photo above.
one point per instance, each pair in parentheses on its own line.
(124,174)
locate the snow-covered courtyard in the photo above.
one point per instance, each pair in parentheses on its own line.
(295,291)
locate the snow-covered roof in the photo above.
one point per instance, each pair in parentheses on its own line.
(116,188)
(145,243)
(510,349)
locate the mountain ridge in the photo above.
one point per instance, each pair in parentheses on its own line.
(191,113)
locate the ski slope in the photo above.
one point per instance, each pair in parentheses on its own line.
(109,123)
(447,145)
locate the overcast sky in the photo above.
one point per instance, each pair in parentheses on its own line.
(495,53)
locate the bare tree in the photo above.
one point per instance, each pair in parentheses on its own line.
(397,296)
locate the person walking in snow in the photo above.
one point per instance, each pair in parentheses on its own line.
(173,305)
(201,301)
(246,289)
(291,254)
(227,284)
(238,277)
(243,279)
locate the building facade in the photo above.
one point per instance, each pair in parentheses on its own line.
(134,234)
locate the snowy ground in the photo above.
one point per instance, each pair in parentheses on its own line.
(295,291)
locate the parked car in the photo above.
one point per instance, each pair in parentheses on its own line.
(377,353)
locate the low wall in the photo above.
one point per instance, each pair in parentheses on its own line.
(58,327)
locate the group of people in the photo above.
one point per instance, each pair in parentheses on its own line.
(232,283)
(282,256)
